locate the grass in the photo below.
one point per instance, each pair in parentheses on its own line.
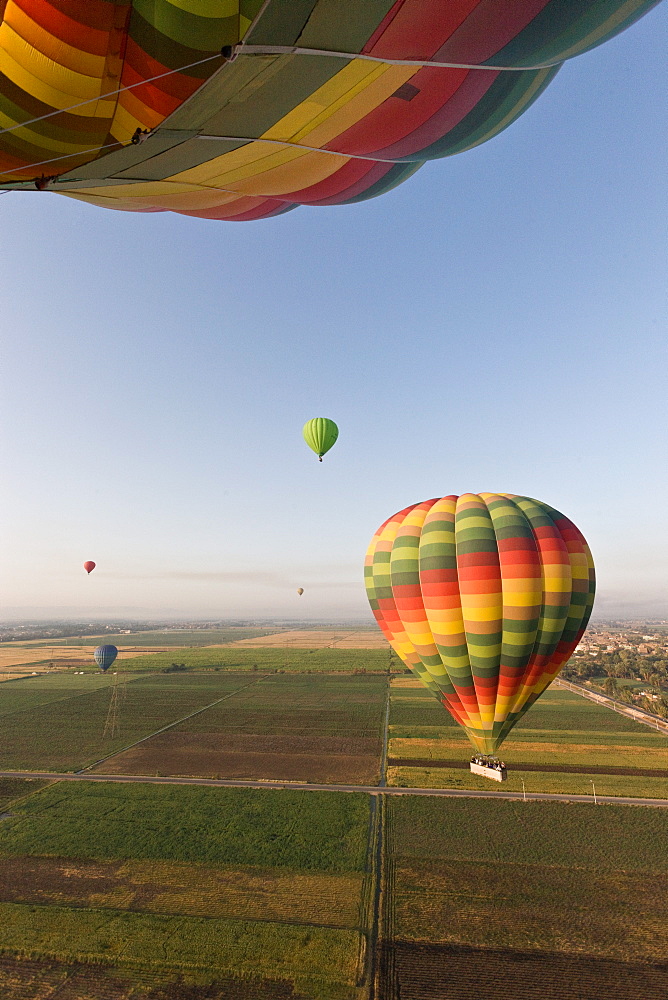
(289,704)
(605,837)
(286,659)
(248,892)
(67,733)
(31,692)
(531,876)
(561,729)
(59,726)
(305,831)
(197,880)
(534,781)
(170,637)
(16,788)
(321,959)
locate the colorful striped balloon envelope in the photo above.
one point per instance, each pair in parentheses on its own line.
(485,597)
(243,109)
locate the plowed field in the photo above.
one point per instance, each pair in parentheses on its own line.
(219,755)
(434,972)
(48,980)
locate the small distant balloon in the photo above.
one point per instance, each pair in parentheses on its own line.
(320,434)
(105,656)
(89,566)
(300,591)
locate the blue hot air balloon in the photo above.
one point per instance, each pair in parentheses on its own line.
(105,656)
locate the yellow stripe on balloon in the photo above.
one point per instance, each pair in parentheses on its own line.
(50,83)
(33,34)
(324,101)
(305,169)
(352,107)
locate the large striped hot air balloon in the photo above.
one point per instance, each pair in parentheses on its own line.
(243,109)
(485,597)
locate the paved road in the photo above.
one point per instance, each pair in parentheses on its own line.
(615,800)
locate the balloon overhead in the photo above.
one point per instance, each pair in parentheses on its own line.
(300,591)
(89,566)
(243,109)
(485,597)
(320,434)
(105,656)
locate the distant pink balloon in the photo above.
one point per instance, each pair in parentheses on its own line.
(89,566)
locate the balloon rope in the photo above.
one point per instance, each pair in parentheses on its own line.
(253,24)
(310,149)
(296,50)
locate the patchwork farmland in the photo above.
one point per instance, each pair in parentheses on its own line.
(563,744)
(533,899)
(316,728)
(300,895)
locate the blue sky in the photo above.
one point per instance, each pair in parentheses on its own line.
(498,322)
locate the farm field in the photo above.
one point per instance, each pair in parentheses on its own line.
(292,659)
(260,890)
(17,661)
(321,728)
(370,638)
(153,637)
(56,723)
(575,740)
(536,899)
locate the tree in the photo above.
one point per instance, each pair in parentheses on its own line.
(611,687)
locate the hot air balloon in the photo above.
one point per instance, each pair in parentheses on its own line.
(244,109)
(105,656)
(320,435)
(300,591)
(485,597)
(89,566)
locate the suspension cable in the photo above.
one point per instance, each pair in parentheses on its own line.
(297,50)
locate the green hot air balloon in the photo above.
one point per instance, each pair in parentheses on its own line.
(320,435)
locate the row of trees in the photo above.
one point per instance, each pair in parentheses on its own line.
(607,670)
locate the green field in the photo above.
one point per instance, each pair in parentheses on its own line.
(12,789)
(276,658)
(550,893)
(191,880)
(318,727)
(169,637)
(561,731)
(327,705)
(31,692)
(56,723)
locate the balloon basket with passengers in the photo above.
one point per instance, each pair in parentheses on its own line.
(485,598)
(489,767)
